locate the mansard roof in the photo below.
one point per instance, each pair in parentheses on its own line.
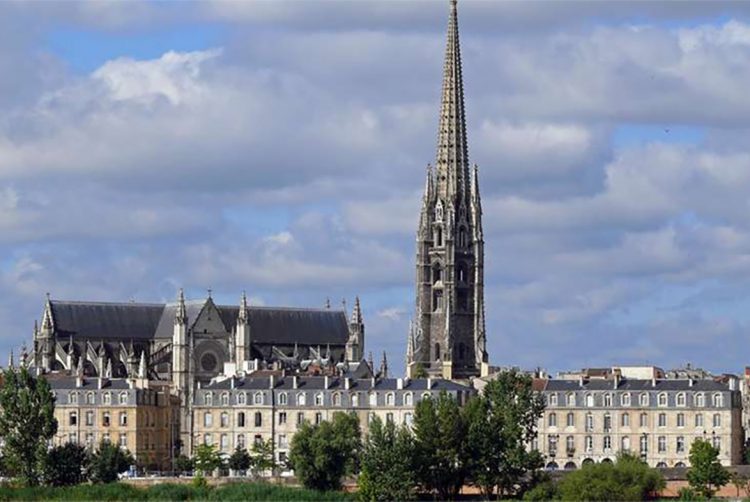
(138,321)
(635,385)
(318,383)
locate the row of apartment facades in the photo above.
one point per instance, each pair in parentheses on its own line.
(585,420)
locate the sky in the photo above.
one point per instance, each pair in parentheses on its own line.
(279,147)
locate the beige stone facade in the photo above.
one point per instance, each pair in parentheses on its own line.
(240,411)
(658,420)
(125,412)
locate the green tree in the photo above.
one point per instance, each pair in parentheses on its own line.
(706,474)
(387,463)
(239,460)
(65,465)
(27,423)
(108,462)
(420,372)
(501,423)
(183,464)
(628,479)
(262,458)
(439,445)
(207,459)
(322,454)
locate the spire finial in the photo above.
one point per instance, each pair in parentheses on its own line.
(181,314)
(209,292)
(243,307)
(11,363)
(357,312)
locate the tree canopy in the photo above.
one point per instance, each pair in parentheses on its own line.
(387,463)
(27,423)
(108,462)
(322,454)
(66,465)
(706,474)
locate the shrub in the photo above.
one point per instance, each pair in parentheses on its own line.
(108,462)
(65,465)
(628,479)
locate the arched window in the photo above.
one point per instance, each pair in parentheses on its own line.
(626,399)
(662,399)
(570,420)
(107,398)
(301,401)
(437,273)
(282,398)
(570,445)
(426,395)
(319,399)
(354,399)
(258,419)
(552,398)
(718,400)
(643,399)
(680,399)
(241,419)
(241,441)
(73,398)
(224,442)
(552,420)
(123,398)
(408,399)
(608,400)
(437,351)
(90,398)
(462,237)
(571,399)
(225,399)
(589,444)
(626,443)
(589,400)
(337,399)
(224,419)
(373,398)
(699,419)
(242,398)
(208,399)
(589,422)
(208,419)
(390,399)
(717,420)
(700,399)
(258,398)
(625,419)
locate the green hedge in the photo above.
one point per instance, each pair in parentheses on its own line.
(170,491)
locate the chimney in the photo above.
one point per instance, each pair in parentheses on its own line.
(690,382)
(617,380)
(732,383)
(399,383)
(231,383)
(429,383)
(295,382)
(580,380)
(272,382)
(326,382)
(372,382)
(653,382)
(347,383)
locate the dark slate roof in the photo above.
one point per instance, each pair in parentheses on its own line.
(69,383)
(165,329)
(106,320)
(636,385)
(285,326)
(268,325)
(317,383)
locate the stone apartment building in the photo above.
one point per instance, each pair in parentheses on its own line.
(593,419)
(132,413)
(238,411)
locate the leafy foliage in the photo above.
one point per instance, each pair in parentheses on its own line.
(184,464)
(239,460)
(322,454)
(706,474)
(500,423)
(440,445)
(387,463)
(108,462)
(628,479)
(65,465)
(207,458)
(27,423)
(262,458)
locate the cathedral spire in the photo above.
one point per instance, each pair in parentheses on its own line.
(357,312)
(243,308)
(452,160)
(181,314)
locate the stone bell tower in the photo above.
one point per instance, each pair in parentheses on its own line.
(447,336)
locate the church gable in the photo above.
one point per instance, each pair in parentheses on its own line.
(208,321)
